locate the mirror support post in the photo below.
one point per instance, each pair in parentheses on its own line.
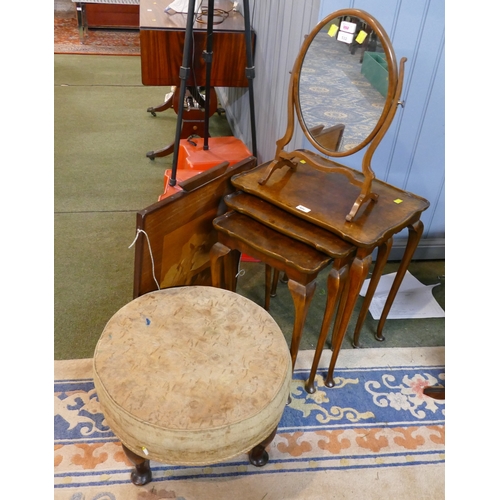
(366,193)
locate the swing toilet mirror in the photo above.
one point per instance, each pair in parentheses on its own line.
(346,77)
(344,90)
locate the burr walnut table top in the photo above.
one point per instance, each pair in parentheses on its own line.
(324,199)
(192,375)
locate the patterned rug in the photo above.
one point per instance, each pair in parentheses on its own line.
(375,435)
(98,42)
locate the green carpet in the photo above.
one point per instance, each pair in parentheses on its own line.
(99,70)
(102,177)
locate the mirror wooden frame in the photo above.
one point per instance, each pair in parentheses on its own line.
(395,83)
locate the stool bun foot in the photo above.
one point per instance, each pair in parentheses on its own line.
(141,475)
(258,456)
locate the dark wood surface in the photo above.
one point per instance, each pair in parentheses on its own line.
(299,260)
(289,224)
(328,197)
(162,42)
(112,16)
(181,233)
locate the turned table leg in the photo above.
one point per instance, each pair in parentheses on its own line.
(141,475)
(258,456)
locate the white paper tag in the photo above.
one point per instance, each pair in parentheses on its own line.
(345,37)
(348,27)
(303,209)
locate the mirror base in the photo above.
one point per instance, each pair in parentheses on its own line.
(360,201)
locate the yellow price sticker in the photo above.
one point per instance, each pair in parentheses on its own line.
(398,201)
(333,30)
(361,36)
(302,161)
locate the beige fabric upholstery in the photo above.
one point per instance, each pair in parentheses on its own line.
(192,375)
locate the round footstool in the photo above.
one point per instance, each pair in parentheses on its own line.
(192,376)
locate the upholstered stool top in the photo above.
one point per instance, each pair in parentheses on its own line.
(192,375)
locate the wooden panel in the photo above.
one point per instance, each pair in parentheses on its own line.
(162,47)
(112,16)
(181,234)
(162,51)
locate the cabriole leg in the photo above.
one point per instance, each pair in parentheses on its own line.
(414,234)
(357,274)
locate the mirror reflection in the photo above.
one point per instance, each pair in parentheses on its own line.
(343,84)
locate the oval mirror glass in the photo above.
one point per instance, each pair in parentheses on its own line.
(345,83)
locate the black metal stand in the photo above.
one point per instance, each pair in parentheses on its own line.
(208,55)
(250,73)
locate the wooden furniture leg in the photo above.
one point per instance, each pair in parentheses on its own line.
(258,456)
(336,282)
(382,256)
(217,253)
(231,269)
(162,107)
(269,284)
(224,266)
(274,285)
(357,274)
(414,234)
(141,475)
(302,296)
(434,392)
(193,122)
